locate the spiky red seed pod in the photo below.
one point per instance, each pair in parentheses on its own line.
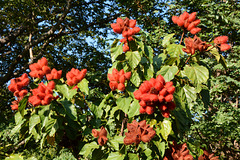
(46,70)
(128,141)
(120,21)
(130,38)
(195,30)
(102,140)
(169,98)
(175,19)
(180,22)
(220,40)
(145,138)
(165,114)
(125,48)
(128,75)
(95,133)
(23,92)
(132,23)
(186,24)
(122,79)
(123,40)
(142,110)
(190,26)
(161,98)
(121,72)
(110,77)
(136,29)
(192,17)
(113,85)
(51,85)
(152,81)
(163,92)
(185,15)
(159,86)
(149,110)
(160,79)
(171,89)
(125,33)
(142,103)
(224,47)
(168,84)
(137,94)
(145,97)
(131,32)
(153,97)
(162,107)
(103,132)
(121,87)
(43,62)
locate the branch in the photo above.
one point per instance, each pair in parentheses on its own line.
(123,124)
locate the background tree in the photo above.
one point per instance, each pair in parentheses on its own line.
(63,31)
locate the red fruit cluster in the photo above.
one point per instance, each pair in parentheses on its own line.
(138,132)
(75,76)
(102,136)
(127,28)
(208,156)
(177,152)
(117,79)
(187,22)
(195,44)
(42,95)
(221,42)
(16,86)
(54,74)
(39,69)
(156,92)
(15,103)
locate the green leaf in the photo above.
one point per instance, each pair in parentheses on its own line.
(166,128)
(22,105)
(188,93)
(197,74)
(83,86)
(124,103)
(214,52)
(148,71)
(115,156)
(134,109)
(65,91)
(97,110)
(33,121)
(116,141)
(133,59)
(17,128)
(168,72)
(223,61)
(166,40)
(116,51)
(133,156)
(54,128)
(174,50)
(70,109)
(157,61)
(88,148)
(18,118)
(148,153)
(135,79)
(149,53)
(161,147)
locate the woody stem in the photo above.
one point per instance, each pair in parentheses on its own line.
(184,64)
(123,123)
(181,37)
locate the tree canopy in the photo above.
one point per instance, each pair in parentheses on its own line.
(78,34)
